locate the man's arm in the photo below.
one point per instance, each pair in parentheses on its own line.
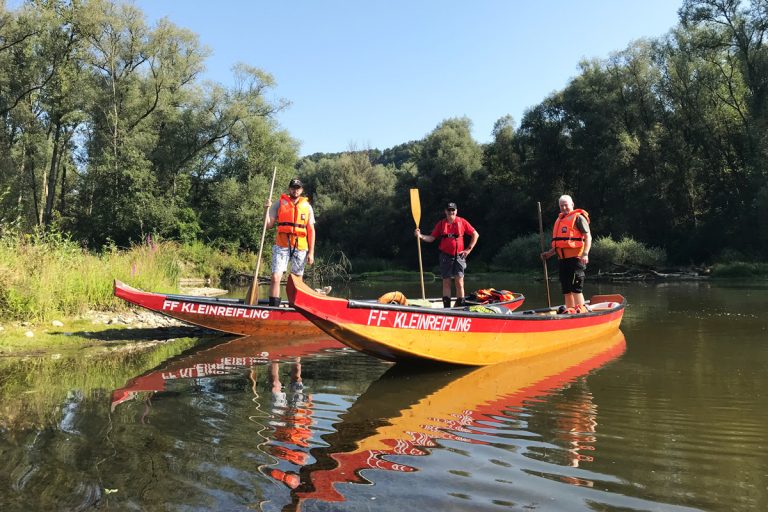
(271,213)
(587,246)
(472,243)
(426,238)
(311,241)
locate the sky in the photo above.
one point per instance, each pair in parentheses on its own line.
(377,73)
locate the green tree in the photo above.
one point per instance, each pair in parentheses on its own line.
(447,161)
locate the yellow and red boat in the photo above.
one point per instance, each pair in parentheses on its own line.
(398,333)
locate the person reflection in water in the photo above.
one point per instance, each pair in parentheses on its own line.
(291,413)
(576,425)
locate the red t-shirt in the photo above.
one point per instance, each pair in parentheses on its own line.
(453,243)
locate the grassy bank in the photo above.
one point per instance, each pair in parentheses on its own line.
(46,276)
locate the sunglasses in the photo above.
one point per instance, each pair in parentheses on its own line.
(450,209)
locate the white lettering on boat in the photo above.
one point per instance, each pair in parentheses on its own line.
(220,367)
(420,321)
(215,310)
(377,315)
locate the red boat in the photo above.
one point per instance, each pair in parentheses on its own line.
(227,315)
(236,317)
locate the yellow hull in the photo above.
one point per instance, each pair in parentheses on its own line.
(466,347)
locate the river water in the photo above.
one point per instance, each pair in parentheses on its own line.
(670,414)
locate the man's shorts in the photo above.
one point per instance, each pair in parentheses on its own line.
(452,267)
(280,256)
(572,275)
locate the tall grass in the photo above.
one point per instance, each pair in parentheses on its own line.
(44,275)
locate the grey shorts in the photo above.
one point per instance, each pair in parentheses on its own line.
(452,267)
(280,256)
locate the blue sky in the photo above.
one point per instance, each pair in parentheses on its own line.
(375,73)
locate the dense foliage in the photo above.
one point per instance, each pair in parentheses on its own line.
(108,133)
(110,136)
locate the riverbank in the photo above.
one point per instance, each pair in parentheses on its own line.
(128,329)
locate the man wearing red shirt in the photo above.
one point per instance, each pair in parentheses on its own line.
(453,256)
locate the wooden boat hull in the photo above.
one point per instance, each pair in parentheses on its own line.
(226,315)
(233,315)
(397,333)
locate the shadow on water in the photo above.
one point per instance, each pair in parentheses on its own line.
(146,333)
(408,412)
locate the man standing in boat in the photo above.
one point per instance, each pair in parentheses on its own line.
(295,240)
(571,241)
(453,256)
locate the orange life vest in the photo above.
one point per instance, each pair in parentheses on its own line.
(292,221)
(567,240)
(493,295)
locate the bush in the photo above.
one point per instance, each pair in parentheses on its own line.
(520,254)
(205,261)
(361,265)
(606,252)
(740,269)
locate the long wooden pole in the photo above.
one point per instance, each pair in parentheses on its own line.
(253,292)
(416,211)
(541,242)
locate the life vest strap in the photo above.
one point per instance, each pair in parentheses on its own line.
(293,224)
(569,239)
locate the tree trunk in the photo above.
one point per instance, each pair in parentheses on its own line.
(50,191)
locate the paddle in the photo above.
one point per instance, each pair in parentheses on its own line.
(541,241)
(416,211)
(253,292)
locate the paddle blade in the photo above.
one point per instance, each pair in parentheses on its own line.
(415,206)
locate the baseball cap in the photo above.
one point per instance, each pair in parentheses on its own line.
(295,183)
(451,206)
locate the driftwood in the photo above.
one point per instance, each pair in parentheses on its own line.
(650,274)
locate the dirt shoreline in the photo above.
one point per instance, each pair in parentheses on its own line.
(133,329)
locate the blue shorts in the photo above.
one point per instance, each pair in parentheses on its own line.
(452,266)
(280,256)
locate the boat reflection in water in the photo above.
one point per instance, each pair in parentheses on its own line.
(224,358)
(409,411)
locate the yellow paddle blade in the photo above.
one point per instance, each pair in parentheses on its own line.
(415,206)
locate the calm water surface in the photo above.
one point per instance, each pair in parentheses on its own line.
(668,415)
